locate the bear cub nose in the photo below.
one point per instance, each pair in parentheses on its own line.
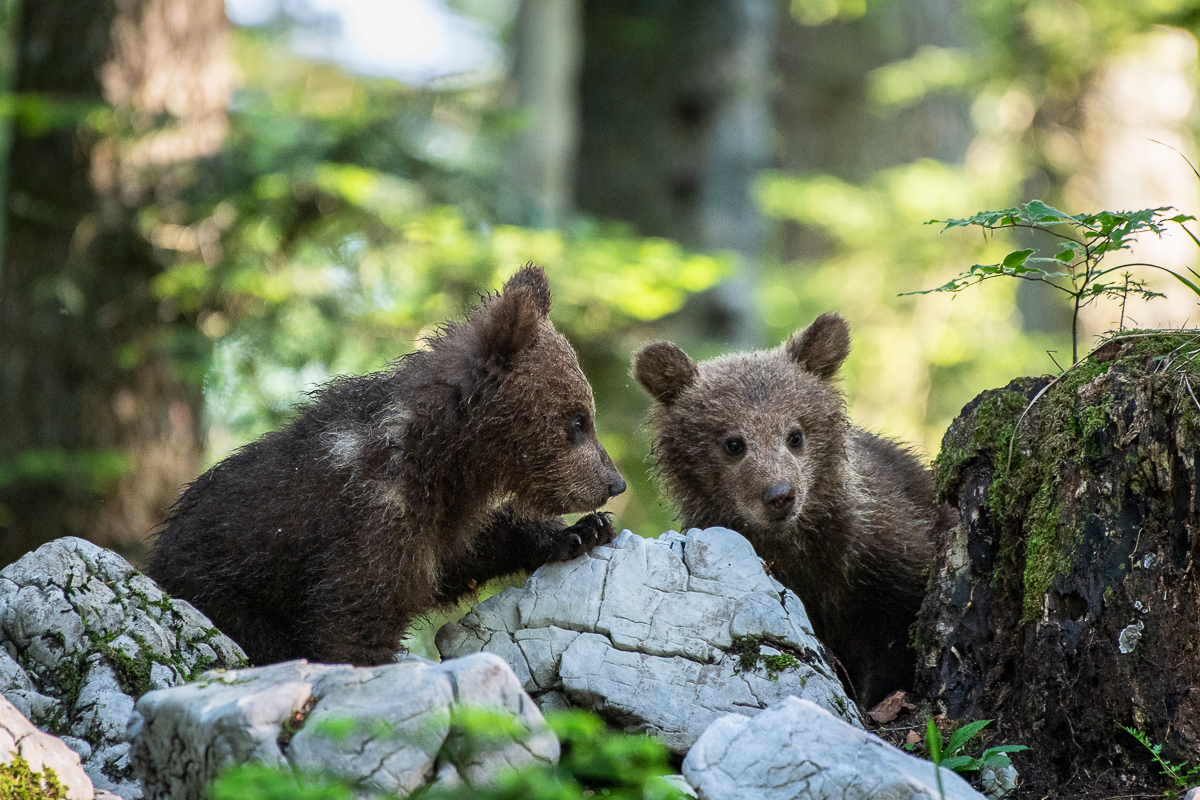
(779,499)
(616,487)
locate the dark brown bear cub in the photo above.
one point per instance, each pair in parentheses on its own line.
(759,443)
(395,492)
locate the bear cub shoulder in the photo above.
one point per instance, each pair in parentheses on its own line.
(759,442)
(395,492)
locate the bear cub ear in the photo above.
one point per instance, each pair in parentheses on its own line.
(664,371)
(821,347)
(510,322)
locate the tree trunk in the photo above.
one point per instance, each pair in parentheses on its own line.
(1066,602)
(675,125)
(99,432)
(549,48)
(827,120)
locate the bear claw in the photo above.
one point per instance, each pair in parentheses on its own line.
(590,531)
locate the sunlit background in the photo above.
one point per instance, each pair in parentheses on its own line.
(211,210)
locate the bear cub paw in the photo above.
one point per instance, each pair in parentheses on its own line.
(590,531)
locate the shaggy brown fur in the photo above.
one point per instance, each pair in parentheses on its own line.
(759,442)
(395,492)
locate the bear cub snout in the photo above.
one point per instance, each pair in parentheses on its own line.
(759,442)
(395,492)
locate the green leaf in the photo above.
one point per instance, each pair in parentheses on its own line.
(960,764)
(933,741)
(1016,258)
(1068,253)
(965,734)
(1037,211)
(987,759)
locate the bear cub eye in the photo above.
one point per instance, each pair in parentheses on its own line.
(734,445)
(795,439)
(578,429)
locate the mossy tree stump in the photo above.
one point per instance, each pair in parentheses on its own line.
(1064,600)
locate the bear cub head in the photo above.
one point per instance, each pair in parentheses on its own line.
(527,402)
(752,441)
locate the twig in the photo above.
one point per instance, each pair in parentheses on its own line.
(1124,298)
(1181,155)
(1188,384)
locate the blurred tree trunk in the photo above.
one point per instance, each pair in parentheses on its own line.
(676,123)
(8,66)
(120,97)
(549,47)
(826,120)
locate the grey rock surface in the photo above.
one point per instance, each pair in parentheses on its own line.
(796,749)
(999,782)
(664,635)
(41,751)
(386,729)
(82,635)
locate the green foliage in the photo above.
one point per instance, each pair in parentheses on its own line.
(19,782)
(750,656)
(1080,243)
(595,762)
(255,781)
(90,470)
(1021,69)
(600,761)
(78,471)
(933,745)
(1184,774)
(914,363)
(951,755)
(348,217)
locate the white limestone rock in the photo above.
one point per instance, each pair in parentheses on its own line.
(41,751)
(796,750)
(661,635)
(82,635)
(395,731)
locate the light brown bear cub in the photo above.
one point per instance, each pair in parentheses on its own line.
(395,492)
(759,442)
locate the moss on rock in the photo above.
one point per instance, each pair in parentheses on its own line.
(19,782)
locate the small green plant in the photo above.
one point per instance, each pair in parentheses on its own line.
(1184,775)
(19,782)
(749,652)
(951,755)
(1073,266)
(933,744)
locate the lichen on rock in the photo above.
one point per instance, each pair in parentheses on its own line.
(83,635)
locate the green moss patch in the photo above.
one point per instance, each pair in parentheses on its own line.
(1040,449)
(19,782)
(750,657)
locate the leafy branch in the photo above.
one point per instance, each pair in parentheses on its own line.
(1182,774)
(1073,266)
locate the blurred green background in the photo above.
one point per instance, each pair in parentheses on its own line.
(203,221)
